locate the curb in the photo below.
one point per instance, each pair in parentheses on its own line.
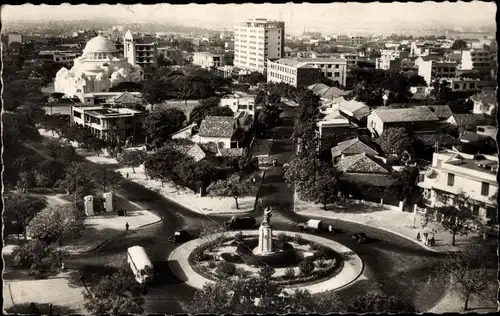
(364,224)
(114,238)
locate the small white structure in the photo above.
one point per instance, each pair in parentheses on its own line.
(108,201)
(88,203)
(265,246)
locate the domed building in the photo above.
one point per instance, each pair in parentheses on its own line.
(98,69)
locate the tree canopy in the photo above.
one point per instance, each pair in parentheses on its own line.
(159,124)
(395,141)
(234,186)
(459,44)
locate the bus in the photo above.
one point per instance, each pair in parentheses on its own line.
(140,264)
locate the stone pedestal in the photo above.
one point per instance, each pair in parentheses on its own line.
(265,240)
(88,203)
(108,201)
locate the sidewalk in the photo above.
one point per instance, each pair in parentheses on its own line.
(101,229)
(55,290)
(191,200)
(400,223)
(351,271)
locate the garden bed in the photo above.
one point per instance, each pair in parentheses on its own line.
(237,259)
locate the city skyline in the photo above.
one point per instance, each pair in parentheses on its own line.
(327,17)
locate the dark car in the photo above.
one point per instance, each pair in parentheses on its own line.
(360,238)
(180,236)
(240,222)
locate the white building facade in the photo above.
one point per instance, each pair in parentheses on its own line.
(97,70)
(432,70)
(137,52)
(208,60)
(256,41)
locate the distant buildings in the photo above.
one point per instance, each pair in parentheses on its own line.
(208,59)
(347,40)
(142,52)
(256,41)
(419,118)
(432,70)
(462,84)
(475,59)
(292,72)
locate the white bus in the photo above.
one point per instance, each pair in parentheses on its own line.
(140,264)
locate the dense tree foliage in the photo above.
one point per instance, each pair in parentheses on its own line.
(209,107)
(459,44)
(395,141)
(132,158)
(116,294)
(41,259)
(234,186)
(19,210)
(159,124)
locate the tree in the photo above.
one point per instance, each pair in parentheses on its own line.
(260,98)
(132,158)
(234,187)
(209,107)
(472,271)
(306,267)
(116,294)
(39,257)
(160,124)
(20,209)
(127,86)
(254,78)
(456,217)
(459,44)
(155,90)
(395,141)
(55,224)
(108,179)
(405,181)
(77,180)
(324,189)
(47,173)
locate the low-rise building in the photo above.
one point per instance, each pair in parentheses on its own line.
(208,59)
(96,98)
(356,112)
(106,122)
(226,132)
(485,102)
(468,121)
(388,63)
(292,72)
(462,84)
(238,102)
(418,118)
(453,173)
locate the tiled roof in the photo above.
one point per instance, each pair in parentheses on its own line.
(125,98)
(360,163)
(371,179)
(471,137)
(210,148)
(358,109)
(441,111)
(352,147)
(470,119)
(217,126)
(196,152)
(414,114)
(318,88)
(441,139)
(334,92)
(231,152)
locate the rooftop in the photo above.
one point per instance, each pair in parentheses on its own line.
(441,111)
(414,114)
(352,147)
(217,126)
(106,112)
(471,119)
(360,163)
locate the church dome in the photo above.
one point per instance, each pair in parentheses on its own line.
(100,44)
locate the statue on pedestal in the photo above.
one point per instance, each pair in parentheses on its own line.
(267,216)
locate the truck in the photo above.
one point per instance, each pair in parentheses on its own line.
(240,222)
(314,225)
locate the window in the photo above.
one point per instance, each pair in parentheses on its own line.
(337,74)
(485,189)
(475,210)
(457,86)
(77,114)
(480,129)
(337,66)
(329,74)
(451,179)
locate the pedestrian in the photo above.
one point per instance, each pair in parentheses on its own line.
(62,266)
(124,212)
(418,236)
(253,180)
(330,228)
(50,309)
(127,226)
(127,175)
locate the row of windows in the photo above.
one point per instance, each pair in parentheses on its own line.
(281,77)
(485,187)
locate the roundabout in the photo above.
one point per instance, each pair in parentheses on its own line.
(345,266)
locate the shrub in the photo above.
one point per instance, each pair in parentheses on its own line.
(225,268)
(232,258)
(316,246)
(289,274)
(282,237)
(266,272)
(321,263)
(211,264)
(306,267)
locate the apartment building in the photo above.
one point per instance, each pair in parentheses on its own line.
(454,172)
(394,53)
(208,59)
(479,60)
(347,40)
(432,70)
(388,63)
(140,51)
(104,121)
(256,41)
(292,72)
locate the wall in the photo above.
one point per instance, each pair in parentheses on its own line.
(374,124)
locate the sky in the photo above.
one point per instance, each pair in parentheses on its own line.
(313,17)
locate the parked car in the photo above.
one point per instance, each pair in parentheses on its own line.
(180,236)
(240,222)
(360,238)
(311,225)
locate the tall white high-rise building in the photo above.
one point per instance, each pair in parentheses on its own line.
(256,41)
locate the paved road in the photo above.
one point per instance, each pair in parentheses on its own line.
(392,264)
